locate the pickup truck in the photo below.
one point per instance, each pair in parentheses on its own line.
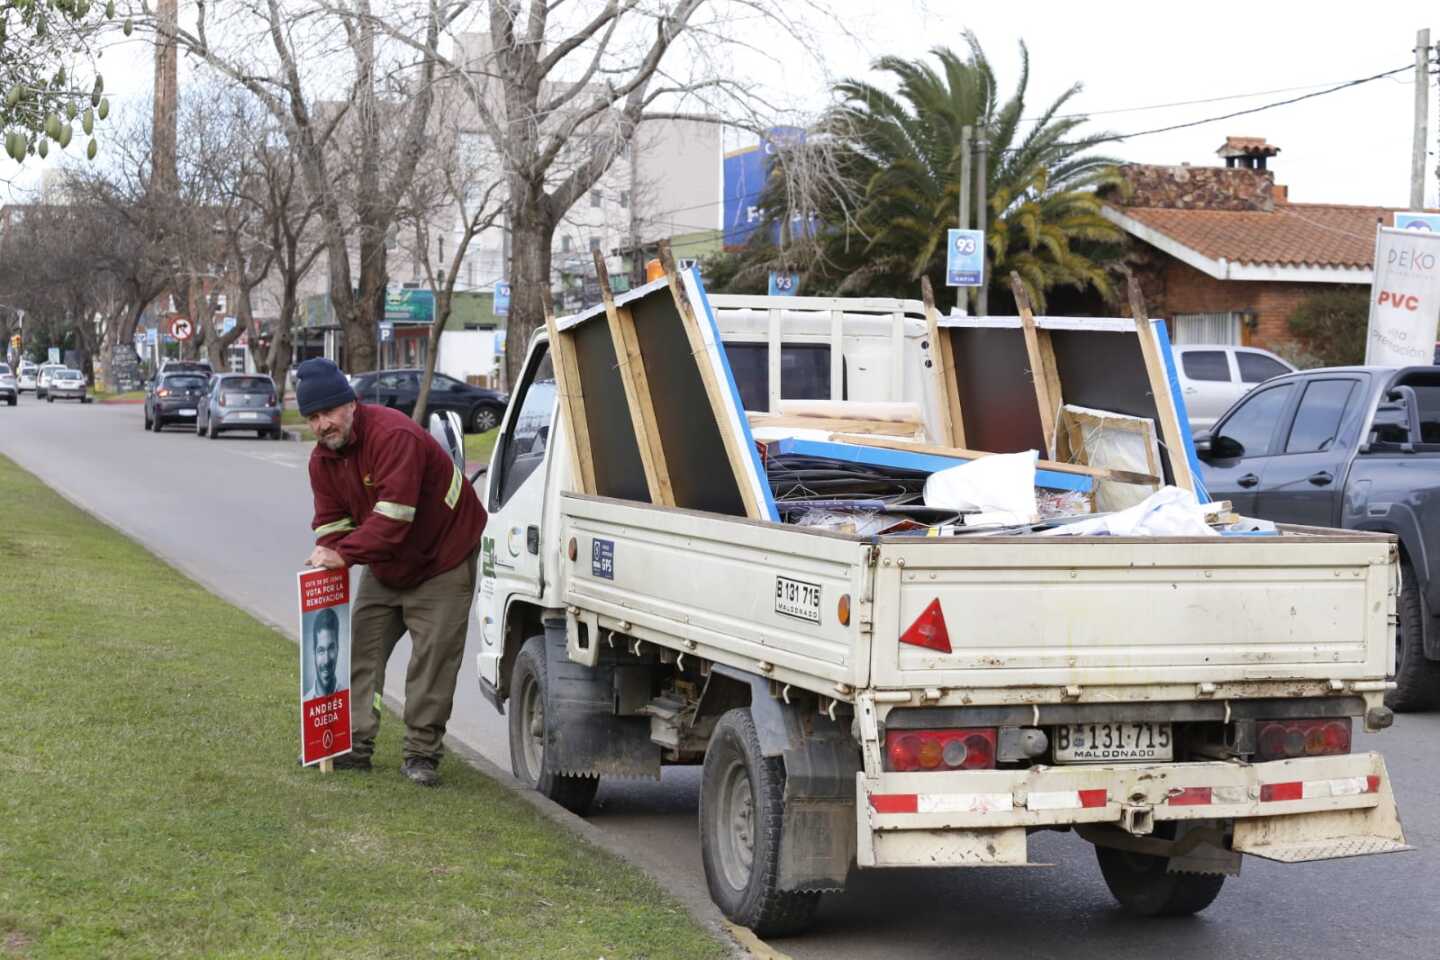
(1356,448)
(900,701)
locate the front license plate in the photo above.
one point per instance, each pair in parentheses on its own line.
(188,412)
(1111,742)
(796,598)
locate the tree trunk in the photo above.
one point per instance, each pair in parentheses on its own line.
(532,234)
(362,324)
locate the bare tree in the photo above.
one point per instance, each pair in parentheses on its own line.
(358,142)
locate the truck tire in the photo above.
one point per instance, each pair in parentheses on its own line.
(742,807)
(527,734)
(1144,887)
(1417,680)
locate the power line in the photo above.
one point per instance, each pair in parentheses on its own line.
(1268,106)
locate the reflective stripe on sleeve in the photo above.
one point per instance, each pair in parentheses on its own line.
(452,497)
(395,511)
(339,526)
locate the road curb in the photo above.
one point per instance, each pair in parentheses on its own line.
(685,888)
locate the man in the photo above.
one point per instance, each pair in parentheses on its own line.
(324,653)
(387,496)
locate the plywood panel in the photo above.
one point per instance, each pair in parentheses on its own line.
(997,398)
(614,452)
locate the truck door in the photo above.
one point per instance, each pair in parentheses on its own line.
(1242,443)
(511,563)
(1304,481)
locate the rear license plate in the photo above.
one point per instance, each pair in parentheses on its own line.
(249,416)
(796,598)
(187,412)
(1102,742)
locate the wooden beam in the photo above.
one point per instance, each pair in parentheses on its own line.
(738,457)
(637,391)
(1172,432)
(952,419)
(572,401)
(1042,364)
(1099,473)
(885,428)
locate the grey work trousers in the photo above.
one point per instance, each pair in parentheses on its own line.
(436,613)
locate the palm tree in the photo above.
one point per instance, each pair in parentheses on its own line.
(901,154)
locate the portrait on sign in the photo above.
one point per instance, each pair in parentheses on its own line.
(325,651)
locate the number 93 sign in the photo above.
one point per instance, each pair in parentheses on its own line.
(965,258)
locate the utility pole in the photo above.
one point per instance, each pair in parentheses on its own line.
(982,166)
(967,132)
(1422,109)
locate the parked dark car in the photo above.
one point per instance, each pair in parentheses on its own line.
(480,409)
(239,401)
(174,398)
(1350,447)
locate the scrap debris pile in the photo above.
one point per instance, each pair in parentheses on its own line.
(654,415)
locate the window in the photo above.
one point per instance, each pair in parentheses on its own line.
(624,199)
(805,372)
(1206,328)
(397,381)
(750,365)
(1257,368)
(565,245)
(529,433)
(444,384)
(594,244)
(1317,420)
(440,244)
(595,199)
(1253,422)
(255,384)
(1206,365)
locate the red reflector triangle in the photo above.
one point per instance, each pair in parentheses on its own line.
(928,630)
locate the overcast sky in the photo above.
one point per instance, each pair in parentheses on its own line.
(1347,147)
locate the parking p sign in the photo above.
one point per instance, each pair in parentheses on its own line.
(965,258)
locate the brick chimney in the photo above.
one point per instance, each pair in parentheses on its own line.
(1250,153)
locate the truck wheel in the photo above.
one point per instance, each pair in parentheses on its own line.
(742,805)
(1417,680)
(1143,886)
(527,734)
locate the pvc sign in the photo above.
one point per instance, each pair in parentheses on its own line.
(151,336)
(324,664)
(54,354)
(1407,220)
(1404,298)
(784,284)
(965,258)
(501,299)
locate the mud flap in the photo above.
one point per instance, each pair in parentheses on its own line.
(1326,835)
(583,735)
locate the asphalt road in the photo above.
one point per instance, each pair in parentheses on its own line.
(234,514)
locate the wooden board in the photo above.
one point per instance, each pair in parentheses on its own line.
(1041,357)
(942,368)
(615,461)
(1175,434)
(572,403)
(636,384)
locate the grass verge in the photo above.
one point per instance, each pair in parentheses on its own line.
(478,447)
(130,396)
(152,805)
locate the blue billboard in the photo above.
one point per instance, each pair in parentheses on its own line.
(745,173)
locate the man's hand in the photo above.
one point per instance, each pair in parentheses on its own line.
(325,557)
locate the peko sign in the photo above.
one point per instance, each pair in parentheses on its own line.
(324,664)
(1404,298)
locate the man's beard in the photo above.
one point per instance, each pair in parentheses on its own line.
(336,441)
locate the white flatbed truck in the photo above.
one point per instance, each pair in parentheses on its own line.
(903,701)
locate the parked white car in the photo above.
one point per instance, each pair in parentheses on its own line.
(42,378)
(1212,378)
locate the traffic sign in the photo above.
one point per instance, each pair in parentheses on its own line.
(784,284)
(965,258)
(180,328)
(53,353)
(502,299)
(387,330)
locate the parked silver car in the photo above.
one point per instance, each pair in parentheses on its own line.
(42,378)
(67,385)
(1212,378)
(240,401)
(9,390)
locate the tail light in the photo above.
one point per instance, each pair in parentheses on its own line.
(163,392)
(273,400)
(222,399)
(929,630)
(910,750)
(1283,739)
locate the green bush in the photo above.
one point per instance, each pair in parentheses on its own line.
(1333,324)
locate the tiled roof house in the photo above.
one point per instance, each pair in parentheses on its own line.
(1229,258)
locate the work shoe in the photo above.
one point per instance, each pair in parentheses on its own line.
(349,761)
(421,771)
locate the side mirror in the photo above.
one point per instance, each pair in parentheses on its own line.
(1202,443)
(1225,448)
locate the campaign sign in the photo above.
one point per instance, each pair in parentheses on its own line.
(501,299)
(324,664)
(965,258)
(1410,220)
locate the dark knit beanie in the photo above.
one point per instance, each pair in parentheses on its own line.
(320,385)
